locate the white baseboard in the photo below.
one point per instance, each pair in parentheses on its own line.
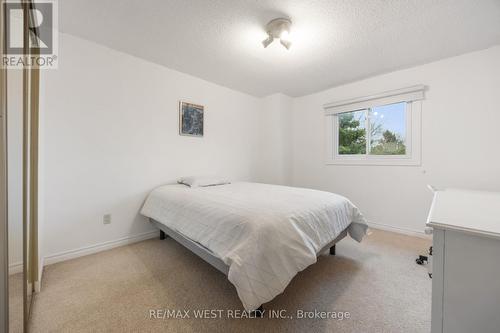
(16,268)
(399,230)
(38,283)
(83,251)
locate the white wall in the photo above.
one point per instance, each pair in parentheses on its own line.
(110,133)
(110,124)
(460,138)
(275,158)
(15,168)
(41,182)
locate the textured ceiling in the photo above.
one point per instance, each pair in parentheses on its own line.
(335,41)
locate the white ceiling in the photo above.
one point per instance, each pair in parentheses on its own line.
(335,41)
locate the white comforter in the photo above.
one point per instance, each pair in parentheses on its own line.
(266,234)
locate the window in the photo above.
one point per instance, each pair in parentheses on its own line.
(381,130)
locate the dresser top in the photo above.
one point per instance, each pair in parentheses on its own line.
(465,210)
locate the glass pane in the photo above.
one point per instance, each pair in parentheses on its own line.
(352,133)
(388,129)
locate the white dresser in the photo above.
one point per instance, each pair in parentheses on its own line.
(466,261)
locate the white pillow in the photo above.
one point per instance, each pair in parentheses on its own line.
(196,181)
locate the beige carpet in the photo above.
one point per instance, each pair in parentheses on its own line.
(376,281)
(16,303)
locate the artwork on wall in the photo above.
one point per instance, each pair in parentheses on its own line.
(190,119)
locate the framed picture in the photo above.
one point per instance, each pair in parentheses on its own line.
(190,119)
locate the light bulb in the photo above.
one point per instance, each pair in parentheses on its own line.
(285,35)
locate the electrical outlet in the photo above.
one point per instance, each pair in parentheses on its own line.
(106,219)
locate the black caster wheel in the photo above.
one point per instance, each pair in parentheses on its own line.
(421,260)
(259,312)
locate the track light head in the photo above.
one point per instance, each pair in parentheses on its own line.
(267,41)
(287,44)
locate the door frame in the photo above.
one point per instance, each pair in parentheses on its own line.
(4,246)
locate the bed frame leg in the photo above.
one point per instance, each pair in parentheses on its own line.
(258,313)
(162,235)
(332,250)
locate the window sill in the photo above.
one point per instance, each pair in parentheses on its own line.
(374,161)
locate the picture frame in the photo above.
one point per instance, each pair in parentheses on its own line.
(191,119)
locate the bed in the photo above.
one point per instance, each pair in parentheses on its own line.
(259,235)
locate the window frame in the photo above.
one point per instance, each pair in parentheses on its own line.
(412,96)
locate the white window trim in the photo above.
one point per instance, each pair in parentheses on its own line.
(413,96)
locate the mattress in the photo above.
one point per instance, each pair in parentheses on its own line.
(265,234)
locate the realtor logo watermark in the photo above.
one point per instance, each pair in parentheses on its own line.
(42,35)
(299,314)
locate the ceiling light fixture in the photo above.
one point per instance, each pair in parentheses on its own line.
(278,28)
